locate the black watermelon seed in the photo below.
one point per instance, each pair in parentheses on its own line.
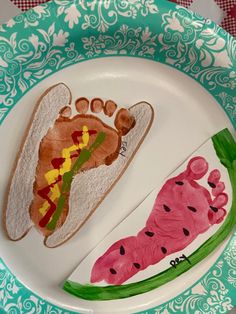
(179,182)
(112,271)
(215,209)
(193,209)
(166,208)
(212,185)
(122,250)
(186,232)
(137,265)
(164,250)
(149,233)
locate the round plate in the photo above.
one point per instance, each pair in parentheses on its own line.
(192,89)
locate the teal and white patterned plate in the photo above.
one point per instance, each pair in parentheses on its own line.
(180,62)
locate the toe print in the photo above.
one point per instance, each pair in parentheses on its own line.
(59,148)
(217,212)
(214,178)
(82,105)
(124,121)
(183,209)
(65,112)
(97,105)
(110,108)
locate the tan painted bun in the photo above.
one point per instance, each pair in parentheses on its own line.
(19,194)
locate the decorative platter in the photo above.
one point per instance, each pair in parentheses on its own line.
(176,73)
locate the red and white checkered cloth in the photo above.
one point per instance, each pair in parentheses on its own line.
(225,9)
(25,5)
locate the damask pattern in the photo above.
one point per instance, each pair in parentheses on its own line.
(126,41)
(204,51)
(15,298)
(101,15)
(53,36)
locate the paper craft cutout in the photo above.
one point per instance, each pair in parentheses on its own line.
(64,157)
(183,209)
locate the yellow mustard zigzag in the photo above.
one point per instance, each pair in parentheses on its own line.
(52,175)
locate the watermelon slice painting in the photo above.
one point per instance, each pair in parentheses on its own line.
(178,225)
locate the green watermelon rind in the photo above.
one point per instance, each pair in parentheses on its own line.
(225,147)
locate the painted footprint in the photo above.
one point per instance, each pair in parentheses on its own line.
(68,164)
(183,209)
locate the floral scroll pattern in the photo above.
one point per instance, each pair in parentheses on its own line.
(15,298)
(101,15)
(41,53)
(208,296)
(202,50)
(30,18)
(126,41)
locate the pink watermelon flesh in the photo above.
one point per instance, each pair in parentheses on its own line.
(183,209)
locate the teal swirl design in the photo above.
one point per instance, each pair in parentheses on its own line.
(101,15)
(126,41)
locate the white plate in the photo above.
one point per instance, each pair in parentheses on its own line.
(182,122)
